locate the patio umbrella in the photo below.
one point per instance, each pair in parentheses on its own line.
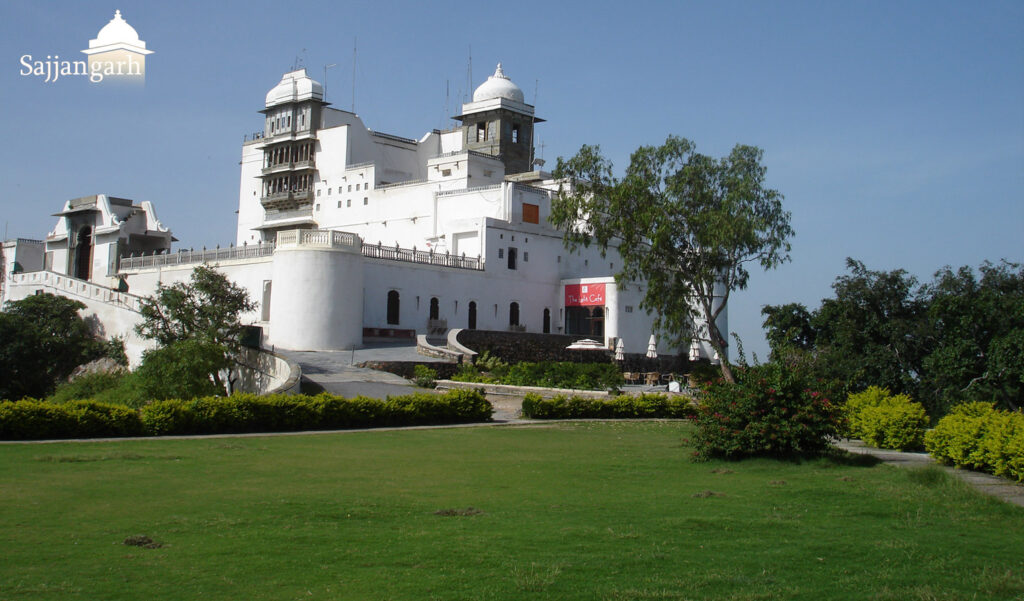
(652,347)
(620,351)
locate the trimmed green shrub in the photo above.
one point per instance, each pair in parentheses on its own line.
(894,426)
(771,411)
(33,419)
(855,403)
(85,386)
(644,406)
(563,374)
(423,376)
(977,436)
(30,419)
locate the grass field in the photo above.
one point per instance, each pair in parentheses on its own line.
(586,510)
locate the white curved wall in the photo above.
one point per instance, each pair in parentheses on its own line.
(316,301)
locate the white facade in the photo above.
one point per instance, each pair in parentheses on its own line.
(344,231)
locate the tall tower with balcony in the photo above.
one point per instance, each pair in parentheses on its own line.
(499,122)
(292,113)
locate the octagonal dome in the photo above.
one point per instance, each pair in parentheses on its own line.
(498,86)
(295,86)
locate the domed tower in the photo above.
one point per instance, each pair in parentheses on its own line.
(117,52)
(292,113)
(499,122)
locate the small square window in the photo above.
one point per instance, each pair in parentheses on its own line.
(446,172)
(629,308)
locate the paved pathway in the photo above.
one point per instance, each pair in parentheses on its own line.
(1004,489)
(337,373)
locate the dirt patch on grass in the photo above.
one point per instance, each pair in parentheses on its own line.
(722,470)
(704,494)
(141,540)
(458,512)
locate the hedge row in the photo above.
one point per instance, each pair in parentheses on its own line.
(884,420)
(977,436)
(620,407)
(33,420)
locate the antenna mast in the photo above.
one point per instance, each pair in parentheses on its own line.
(326,67)
(354,45)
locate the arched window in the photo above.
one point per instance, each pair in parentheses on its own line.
(513,314)
(547,321)
(434,308)
(393,307)
(472,315)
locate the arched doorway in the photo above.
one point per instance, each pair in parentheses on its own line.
(434,308)
(472,315)
(547,321)
(393,307)
(83,253)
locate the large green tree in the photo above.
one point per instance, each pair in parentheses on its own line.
(686,223)
(42,339)
(206,310)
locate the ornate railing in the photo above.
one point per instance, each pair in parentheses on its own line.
(185,257)
(73,287)
(395,253)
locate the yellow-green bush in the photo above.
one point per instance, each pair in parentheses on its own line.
(977,436)
(884,420)
(30,419)
(893,426)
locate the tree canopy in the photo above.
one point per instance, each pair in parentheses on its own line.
(686,223)
(208,308)
(42,339)
(197,318)
(958,338)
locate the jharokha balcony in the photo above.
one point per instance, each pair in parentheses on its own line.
(286,199)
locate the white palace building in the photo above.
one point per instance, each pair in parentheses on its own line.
(345,232)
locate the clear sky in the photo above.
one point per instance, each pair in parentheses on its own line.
(894,129)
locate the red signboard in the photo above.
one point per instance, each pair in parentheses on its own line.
(584,295)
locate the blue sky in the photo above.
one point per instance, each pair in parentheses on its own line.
(895,130)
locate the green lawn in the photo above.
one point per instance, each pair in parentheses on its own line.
(567,511)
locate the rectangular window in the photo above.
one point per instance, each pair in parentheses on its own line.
(339,204)
(512,257)
(348,203)
(350,187)
(446,172)
(526,256)
(317,207)
(366,201)
(318,193)
(515,134)
(366,186)
(481,132)
(357,187)
(501,253)
(328,191)
(629,308)
(531,213)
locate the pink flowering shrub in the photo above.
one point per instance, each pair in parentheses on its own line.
(772,411)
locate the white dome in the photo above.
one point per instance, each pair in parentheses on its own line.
(498,86)
(295,86)
(118,31)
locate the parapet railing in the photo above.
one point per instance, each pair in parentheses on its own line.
(321,238)
(313,238)
(468,190)
(411,255)
(74,287)
(186,257)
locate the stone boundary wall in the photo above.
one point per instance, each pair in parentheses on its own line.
(517,347)
(265,372)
